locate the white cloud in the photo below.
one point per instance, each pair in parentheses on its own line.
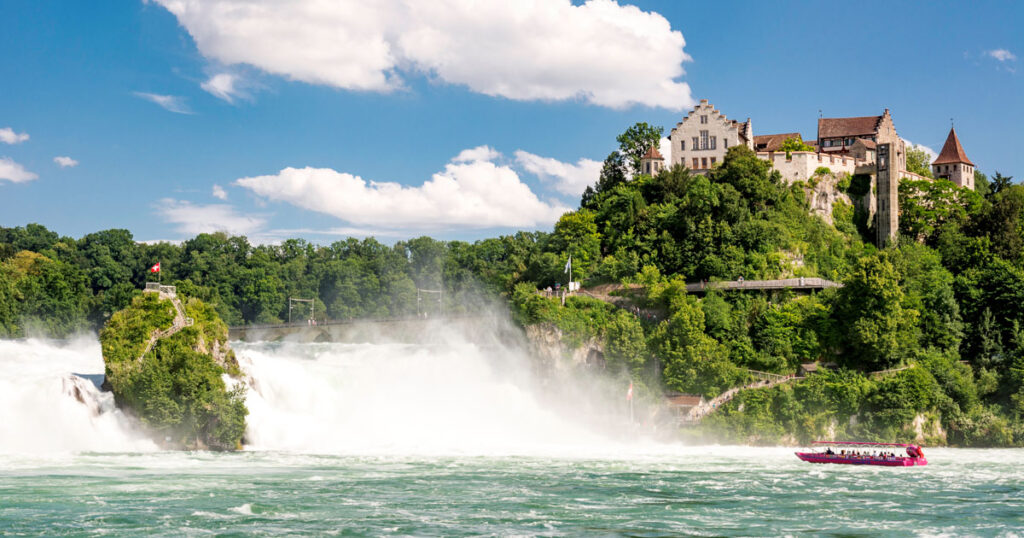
(568,178)
(225,86)
(192,219)
(479,153)
(1002,55)
(8,136)
(469,194)
(65,162)
(932,154)
(219,192)
(601,52)
(13,171)
(172,103)
(665,148)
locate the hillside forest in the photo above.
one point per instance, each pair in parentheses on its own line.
(925,337)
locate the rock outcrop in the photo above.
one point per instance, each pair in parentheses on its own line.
(165,363)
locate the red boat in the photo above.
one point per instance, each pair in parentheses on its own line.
(857,453)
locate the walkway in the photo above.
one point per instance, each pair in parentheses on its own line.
(802,283)
(765,380)
(180,320)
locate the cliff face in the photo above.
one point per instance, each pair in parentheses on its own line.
(548,345)
(165,362)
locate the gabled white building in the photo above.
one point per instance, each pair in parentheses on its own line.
(700,140)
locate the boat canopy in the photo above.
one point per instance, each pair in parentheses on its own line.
(861,443)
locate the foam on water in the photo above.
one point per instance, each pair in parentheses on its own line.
(51,403)
(455,398)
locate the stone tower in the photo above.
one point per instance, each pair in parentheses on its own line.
(953,164)
(890,168)
(652,162)
(887,183)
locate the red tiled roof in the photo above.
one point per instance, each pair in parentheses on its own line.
(773,142)
(653,153)
(845,127)
(952,152)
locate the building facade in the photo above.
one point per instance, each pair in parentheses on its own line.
(700,140)
(953,164)
(652,162)
(866,145)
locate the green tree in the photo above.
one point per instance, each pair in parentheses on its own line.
(576,235)
(925,206)
(613,173)
(794,143)
(918,161)
(877,332)
(635,141)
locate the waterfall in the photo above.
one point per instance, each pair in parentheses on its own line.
(51,401)
(452,396)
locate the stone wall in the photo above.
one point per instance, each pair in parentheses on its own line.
(800,166)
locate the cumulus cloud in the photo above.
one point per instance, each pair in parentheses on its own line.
(192,219)
(219,192)
(14,172)
(1002,55)
(225,86)
(600,52)
(8,136)
(665,148)
(172,103)
(567,178)
(473,193)
(932,154)
(65,162)
(479,153)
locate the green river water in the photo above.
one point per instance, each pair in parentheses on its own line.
(399,440)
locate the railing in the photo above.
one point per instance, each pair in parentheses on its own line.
(156,287)
(793,283)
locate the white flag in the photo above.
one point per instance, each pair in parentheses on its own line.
(568,264)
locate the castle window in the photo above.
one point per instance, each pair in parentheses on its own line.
(694,163)
(725,143)
(703,140)
(704,163)
(712,161)
(696,144)
(682,145)
(703,119)
(713,141)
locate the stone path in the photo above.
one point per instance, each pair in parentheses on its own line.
(712,405)
(180,322)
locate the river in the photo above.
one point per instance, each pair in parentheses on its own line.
(447,439)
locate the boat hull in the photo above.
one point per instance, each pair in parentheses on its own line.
(899,461)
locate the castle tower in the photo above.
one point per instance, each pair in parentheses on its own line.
(953,164)
(652,162)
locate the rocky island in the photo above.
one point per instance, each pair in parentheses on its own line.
(166,361)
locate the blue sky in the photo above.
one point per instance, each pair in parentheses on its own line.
(398,119)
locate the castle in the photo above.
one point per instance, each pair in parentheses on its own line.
(867,145)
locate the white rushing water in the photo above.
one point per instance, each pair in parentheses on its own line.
(446,397)
(47,408)
(454,398)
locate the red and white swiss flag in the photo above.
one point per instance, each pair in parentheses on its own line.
(629,393)
(155,268)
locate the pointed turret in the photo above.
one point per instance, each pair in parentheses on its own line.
(953,164)
(652,162)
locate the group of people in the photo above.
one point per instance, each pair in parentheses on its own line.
(859,454)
